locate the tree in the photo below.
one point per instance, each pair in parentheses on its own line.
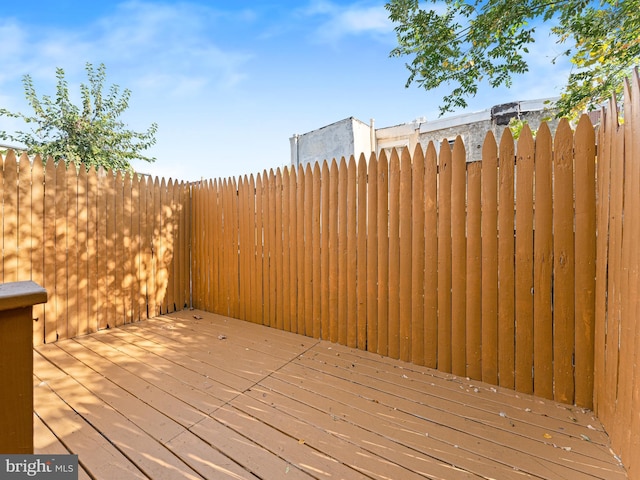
(461,43)
(92,135)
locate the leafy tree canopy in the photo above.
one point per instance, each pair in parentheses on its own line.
(91,135)
(460,43)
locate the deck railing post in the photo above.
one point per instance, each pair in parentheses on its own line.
(16,365)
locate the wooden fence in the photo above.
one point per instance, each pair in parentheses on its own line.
(109,248)
(617,332)
(521,270)
(430,260)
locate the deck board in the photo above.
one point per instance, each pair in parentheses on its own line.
(197,395)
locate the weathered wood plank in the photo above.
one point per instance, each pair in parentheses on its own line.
(265,402)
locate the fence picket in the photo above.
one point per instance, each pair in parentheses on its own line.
(431,258)
(563,291)
(82,252)
(10,218)
(372,254)
(61,288)
(506,276)
(490,260)
(233,259)
(137,301)
(524,263)
(315,254)
(50,221)
(474,271)
(286,257)
(405,258)
(293,250)
(127,239)
(260,249)
(325,215)
(444,258)
(308,254)
(168,228)
(383,255)
(342,251)
(92,250)
(361,261)
(333,252)
(350,258)
(279,254)
(393,331)
(585,254)
(24,218)
(417,257)
(300,213)
(458,259)
(119,239)
(37,243)
(543,266)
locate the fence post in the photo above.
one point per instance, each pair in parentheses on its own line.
(16,365)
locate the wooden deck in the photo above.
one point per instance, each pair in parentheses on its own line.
(196,395)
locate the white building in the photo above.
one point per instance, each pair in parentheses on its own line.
(353,137)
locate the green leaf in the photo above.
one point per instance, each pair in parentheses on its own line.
(91,135)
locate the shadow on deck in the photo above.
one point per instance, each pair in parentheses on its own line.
(195,395)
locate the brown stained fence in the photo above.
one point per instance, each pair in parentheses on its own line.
(617,294)
(108,248)
(521,270)
(482,269)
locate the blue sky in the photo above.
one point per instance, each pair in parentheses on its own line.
(229,82)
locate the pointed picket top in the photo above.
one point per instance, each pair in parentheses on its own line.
(458,145)
(563,142)
(372,166)
(37,168)
(38,159)
(506,140)
(431,153)
(352,169)
(324,171)
(584,135)
(444,158)
(10,155)
(361,158)
(11,164)
(24,158)
(333,167)
(525,142)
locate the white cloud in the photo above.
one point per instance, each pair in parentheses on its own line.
(174,41)
(339,21)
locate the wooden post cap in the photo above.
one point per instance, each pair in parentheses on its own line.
(21,294)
